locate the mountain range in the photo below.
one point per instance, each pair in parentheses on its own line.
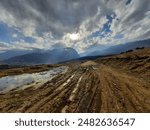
(44,57)
(61,54)
(117,48)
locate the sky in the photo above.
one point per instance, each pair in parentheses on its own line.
(80,24)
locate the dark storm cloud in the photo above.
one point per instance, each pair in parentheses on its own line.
(51,23)
(139,13)
(57,16)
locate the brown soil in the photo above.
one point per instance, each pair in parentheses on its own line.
(22,70)
(88,63)
(110,84)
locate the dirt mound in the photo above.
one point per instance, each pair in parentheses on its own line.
(88,63)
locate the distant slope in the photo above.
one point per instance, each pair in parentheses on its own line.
(12,53)
(121,48)
(50,56)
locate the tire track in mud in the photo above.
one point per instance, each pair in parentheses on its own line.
(56,91)
(85,89)
(125,92)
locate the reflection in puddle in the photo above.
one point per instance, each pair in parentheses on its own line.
(27,80)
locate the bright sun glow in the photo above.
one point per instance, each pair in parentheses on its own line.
(74,36)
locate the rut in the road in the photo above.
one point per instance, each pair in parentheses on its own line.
(102,89)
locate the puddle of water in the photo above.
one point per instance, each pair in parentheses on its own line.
(26,80)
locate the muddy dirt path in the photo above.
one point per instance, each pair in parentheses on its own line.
(92,88)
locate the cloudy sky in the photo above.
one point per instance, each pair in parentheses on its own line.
(80,24)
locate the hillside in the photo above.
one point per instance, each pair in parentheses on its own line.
(136,62)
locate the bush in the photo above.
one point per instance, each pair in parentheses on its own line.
(129,51)
(139,48)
